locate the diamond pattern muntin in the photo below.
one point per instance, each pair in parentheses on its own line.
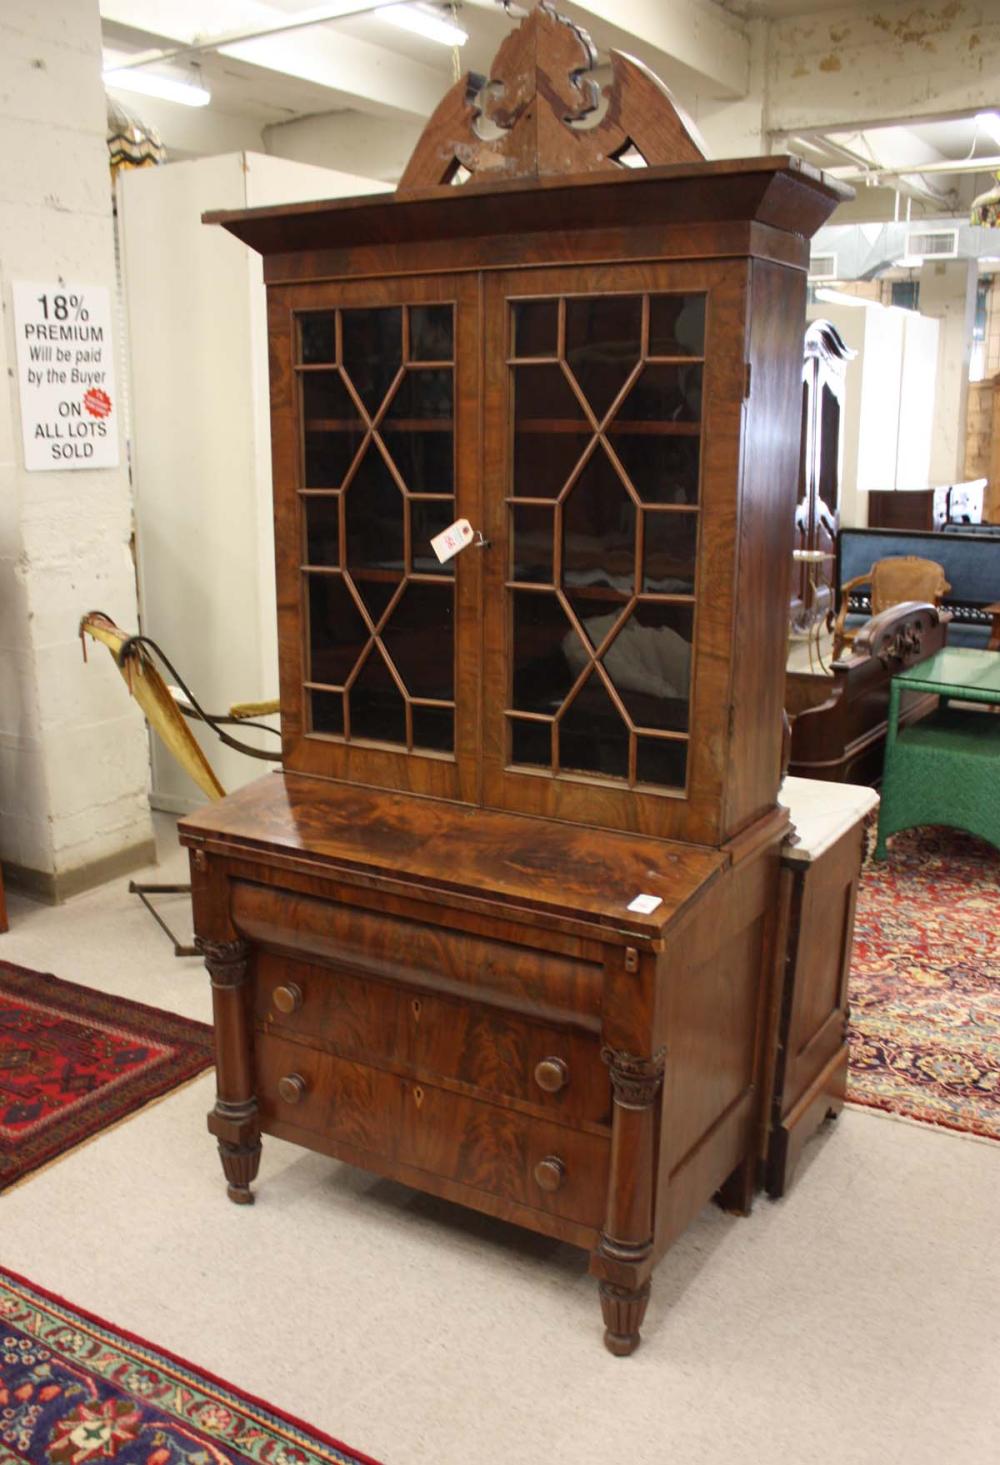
(410,450)
(599,489)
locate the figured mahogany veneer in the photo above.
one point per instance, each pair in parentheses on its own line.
(420,936)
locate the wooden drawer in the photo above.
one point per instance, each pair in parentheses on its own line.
(555,1069)
(519,978)
(302,1091)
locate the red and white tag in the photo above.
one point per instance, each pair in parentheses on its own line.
(457,536)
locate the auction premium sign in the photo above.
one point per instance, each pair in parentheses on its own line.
(66,374)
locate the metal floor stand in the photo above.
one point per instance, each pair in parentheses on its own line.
(144,891)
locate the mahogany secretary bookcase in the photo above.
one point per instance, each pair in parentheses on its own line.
(423,936)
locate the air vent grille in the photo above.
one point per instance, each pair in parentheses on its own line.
(823,267)
(932,244)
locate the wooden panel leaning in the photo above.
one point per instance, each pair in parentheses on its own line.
(426,946)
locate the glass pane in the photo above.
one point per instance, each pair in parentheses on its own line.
(419,637)
(431,332)
(664,394)
(550,431)
(333,429)
(322,531)
(597,610)
(374,525)
(429,517)
(662,761)
(677,325)
(592,736)
(599,528)
(603,344)
(548,655)
(531,742)
(536,327)
(327,712)
(377,707)
(337,633)
(670,546)
(372,351)
(434,727)
(663,468)
(317,336)
(418,431)
(423,396)
(532,534)
(649,663)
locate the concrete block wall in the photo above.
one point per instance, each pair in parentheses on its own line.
(74,756)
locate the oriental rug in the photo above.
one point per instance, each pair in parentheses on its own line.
(925,983)
(73,1061)
(75,1391)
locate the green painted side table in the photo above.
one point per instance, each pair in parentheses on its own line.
(944,769)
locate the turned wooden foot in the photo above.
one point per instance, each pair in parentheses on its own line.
(240,1164)
(623,1312)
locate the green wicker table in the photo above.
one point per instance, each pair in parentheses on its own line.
(944,769)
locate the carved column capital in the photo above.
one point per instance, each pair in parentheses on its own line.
(227,961)
(635,1080)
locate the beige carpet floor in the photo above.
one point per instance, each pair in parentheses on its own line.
(857,1321)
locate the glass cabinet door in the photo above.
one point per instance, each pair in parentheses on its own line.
(372,461)
(604,584)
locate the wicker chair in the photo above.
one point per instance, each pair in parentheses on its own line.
(904,577)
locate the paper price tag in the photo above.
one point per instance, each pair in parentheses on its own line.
(645,905)
(448,543)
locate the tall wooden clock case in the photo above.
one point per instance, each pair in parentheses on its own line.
(425,946)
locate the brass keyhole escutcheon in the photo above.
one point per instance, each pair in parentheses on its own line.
(287,998)
(418,1096)
(550,1173)
(551,1075)
(292,1088)
(416,1006)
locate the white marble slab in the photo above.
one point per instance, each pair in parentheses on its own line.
(821,812)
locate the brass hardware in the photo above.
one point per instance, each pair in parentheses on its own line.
(292,1088)
(416,1006)
(550,1173)
(287,999)
(551,1074)
(631,959)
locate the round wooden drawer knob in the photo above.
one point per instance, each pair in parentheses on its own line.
(551,1075)
(550,1173)
(292,1088)
(287,999)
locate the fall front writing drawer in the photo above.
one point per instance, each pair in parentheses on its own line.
(303,1092)
(519,977)
(557,1070)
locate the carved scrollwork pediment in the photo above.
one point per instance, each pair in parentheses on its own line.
(539,113)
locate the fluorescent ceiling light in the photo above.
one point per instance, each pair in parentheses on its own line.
(423,23)
(991,122)
(153,84)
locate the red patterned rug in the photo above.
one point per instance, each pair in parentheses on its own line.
(75,1391)
(73,1061)
(925,982)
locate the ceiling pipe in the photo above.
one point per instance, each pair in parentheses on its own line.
(319,15)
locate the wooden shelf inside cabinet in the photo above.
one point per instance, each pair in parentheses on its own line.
(500,929)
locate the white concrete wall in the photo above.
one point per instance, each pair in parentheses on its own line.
(889,394)
(948,293)
(73,748)
(201,430)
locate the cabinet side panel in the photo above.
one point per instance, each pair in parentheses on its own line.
(770,474)
(714,974)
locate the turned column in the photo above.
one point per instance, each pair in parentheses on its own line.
(626,1245)
(233,1121)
